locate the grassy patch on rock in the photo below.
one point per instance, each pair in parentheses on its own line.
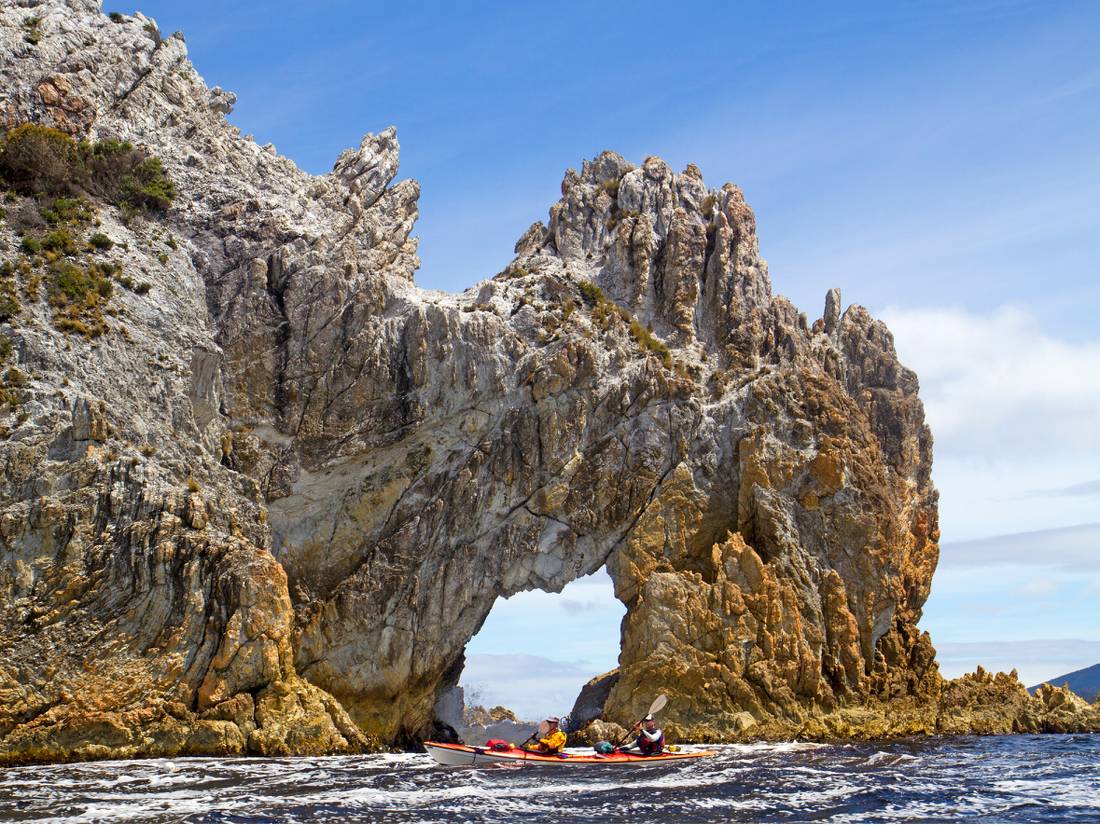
(604,309)
(9,294)
(77,296)
(11,379)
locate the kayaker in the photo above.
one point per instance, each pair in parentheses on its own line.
(553,741)
(648,738)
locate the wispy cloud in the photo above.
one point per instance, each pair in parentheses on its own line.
(1084,84)
(1074,549)
(1085,488)
(497,666)
(1040,587)
(576,607)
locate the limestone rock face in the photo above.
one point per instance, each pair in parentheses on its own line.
(141,609)
(265,509)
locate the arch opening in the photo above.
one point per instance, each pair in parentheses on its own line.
(534,653)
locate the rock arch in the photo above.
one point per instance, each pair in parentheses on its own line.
(758,489)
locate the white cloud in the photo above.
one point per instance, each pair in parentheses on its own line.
(993,383)
(532,686)
(494,667)
(574,607)
(1041,583)
(1075,549)
(1015,413)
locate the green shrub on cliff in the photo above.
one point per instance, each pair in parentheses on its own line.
(648,342)
(60,240)
(128,176)
(9,298)
(149,185)
(32,30)
(38,160)
(71,285)
(100,242)
(108,162)
(603,310)
(68,211)
(592,292)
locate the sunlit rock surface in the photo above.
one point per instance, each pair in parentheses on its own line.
(266,510)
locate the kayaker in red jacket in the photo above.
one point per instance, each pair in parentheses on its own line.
(648,738)
(553,741)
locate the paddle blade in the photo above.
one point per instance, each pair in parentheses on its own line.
(658,703)
(544,727)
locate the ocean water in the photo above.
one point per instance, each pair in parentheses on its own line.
(967,779)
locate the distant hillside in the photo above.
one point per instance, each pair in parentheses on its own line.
(1085,683)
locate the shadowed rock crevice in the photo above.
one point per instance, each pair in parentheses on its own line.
(265,510)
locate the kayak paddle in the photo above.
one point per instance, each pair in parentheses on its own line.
(541,731)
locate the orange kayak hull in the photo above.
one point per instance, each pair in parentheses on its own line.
(474,755)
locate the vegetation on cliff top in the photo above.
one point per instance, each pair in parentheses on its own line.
(38,160)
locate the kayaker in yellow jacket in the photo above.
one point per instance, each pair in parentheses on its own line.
(553,741)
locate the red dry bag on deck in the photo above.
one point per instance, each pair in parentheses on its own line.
(498,745)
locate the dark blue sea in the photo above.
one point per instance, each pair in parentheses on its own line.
(951,779)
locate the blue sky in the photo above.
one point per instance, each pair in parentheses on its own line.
(937,161)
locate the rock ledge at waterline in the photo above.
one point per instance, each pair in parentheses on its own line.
(265,509)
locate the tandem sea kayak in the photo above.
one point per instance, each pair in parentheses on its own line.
(466,755)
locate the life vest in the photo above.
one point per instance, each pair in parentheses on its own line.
(650,744)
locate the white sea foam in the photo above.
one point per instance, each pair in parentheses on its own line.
(1020,778)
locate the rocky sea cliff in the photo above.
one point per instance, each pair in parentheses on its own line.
(259,489)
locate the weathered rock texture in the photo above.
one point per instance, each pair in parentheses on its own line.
(268,508)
